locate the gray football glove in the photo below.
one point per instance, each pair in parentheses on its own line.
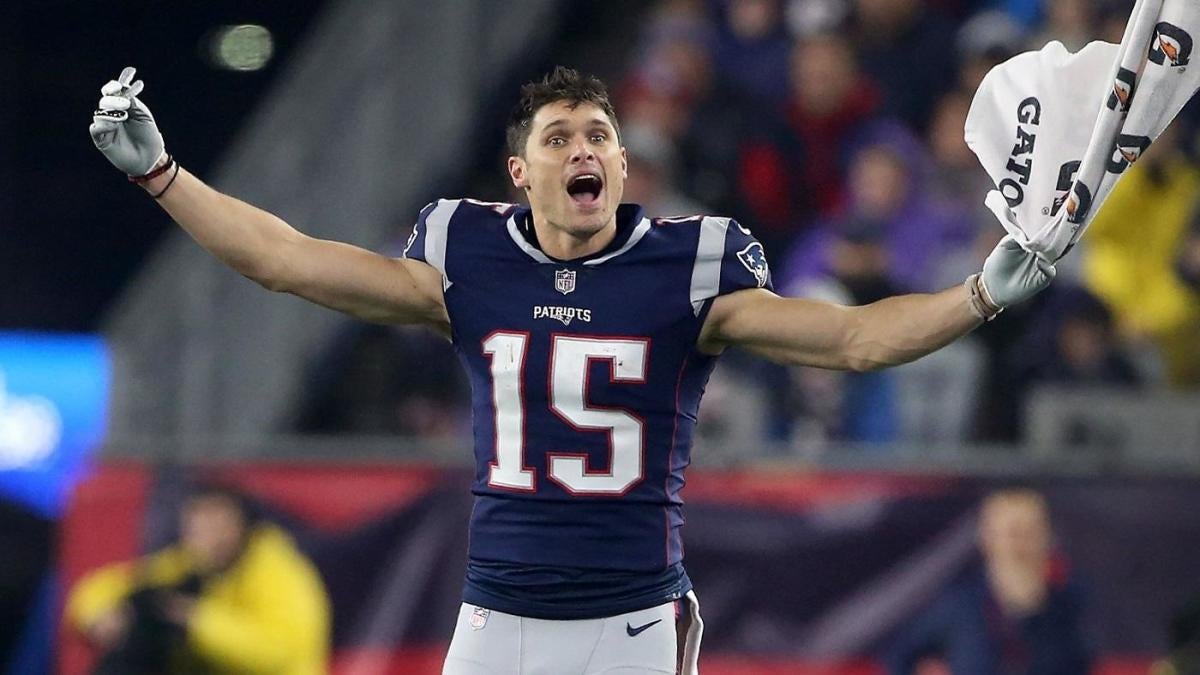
(123,128)
(1011,274)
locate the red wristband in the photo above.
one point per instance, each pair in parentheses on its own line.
(155,173)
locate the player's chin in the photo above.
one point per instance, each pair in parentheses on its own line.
(588,225)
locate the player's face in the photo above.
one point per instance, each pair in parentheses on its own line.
(573,170)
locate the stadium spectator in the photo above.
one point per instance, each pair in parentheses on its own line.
(892,208)
(653,162)
(850,261)
(672,19)
(1077,344)
(1021,613)
(984,41)
(831,101)
(233,596)
(1067,338)
(810,17)
(896,236)
(751,50)
(674,93)
(903,45)
(957,184)
(791,167)
(673,77)
(1135,269)
(1071,22)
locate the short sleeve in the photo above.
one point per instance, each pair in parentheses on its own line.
(427,242)
(414,249)
(728,259)
(745,262)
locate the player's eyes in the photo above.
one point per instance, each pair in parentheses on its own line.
(556,141)
(599,138)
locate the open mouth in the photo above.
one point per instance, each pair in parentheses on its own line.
(585,188)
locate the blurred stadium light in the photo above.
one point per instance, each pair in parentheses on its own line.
(242,47)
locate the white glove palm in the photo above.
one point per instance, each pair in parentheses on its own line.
(123,128)
(1012,275)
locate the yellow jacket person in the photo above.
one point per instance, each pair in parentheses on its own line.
(230,597)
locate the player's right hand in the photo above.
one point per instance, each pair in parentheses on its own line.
(123,128)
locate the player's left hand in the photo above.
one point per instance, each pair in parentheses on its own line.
(1012,275)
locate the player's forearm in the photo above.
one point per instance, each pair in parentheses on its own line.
(248,239)
(803,332)
(904,328)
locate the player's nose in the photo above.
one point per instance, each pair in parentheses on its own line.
(581,152)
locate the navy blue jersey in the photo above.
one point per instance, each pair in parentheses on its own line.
(585,381)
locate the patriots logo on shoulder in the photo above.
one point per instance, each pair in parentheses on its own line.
(754,259)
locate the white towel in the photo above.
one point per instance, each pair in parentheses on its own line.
(1054,128)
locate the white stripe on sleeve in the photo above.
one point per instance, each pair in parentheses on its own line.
(706,270)
(437,227)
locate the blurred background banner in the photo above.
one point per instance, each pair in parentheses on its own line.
(54,394)
(798,572)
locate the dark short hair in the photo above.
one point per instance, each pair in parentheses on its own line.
(564,84)
(205,489)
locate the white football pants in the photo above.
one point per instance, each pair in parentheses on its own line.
(645,642)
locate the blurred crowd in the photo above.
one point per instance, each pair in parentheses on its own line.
(833,129)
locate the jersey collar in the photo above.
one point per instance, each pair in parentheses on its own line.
(631,227)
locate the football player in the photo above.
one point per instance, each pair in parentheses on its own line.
(588,329)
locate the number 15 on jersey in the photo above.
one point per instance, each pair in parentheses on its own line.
(570,360)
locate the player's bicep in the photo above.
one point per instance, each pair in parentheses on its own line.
(795,331)
(364,284)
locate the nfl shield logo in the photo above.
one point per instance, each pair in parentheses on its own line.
(564,281)
(479,617)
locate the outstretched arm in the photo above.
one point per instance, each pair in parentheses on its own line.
(892,331)
(264,248)
(801,332)
(258,244)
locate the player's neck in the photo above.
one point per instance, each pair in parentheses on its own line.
(560,244)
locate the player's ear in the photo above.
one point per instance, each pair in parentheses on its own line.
(624,163)
(518,172)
